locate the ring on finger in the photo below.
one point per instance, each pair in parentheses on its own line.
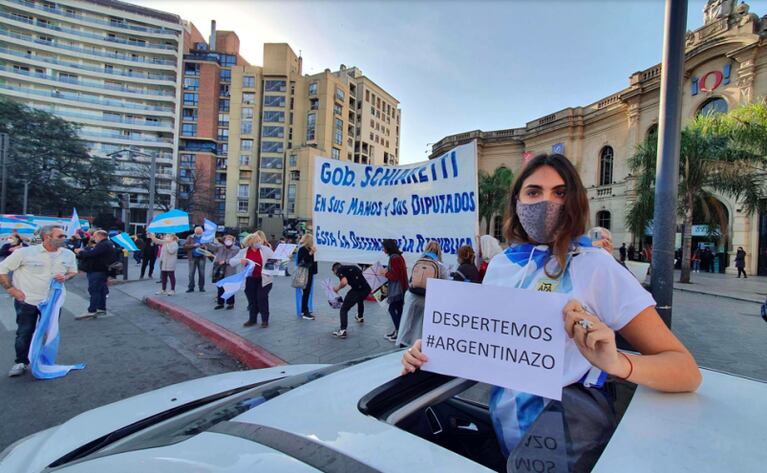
(586,324)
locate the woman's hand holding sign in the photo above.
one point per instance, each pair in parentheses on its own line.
(413,359)
(594,339)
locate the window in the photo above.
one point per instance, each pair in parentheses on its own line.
(269,208)
(311,124)
(246,175)
(227,60)
(278,117)
(188,159)
(242,205)
(292,160)
(340,95)
(337,109)
(603,219)
(247,113)
(223,134)
(272,147)
(244,160)
(335,153)
(339,132)
(273,131)
(221,163)
(246,145)
(225,75)
(274,101)
(248,98)
(190,98)
(220,193)
(247,127)
(248,81)
(314,104)
(192,69)
(190,114)
(270,193)
(188,129)
(243,191)
(271,178)
(367,96)
(223,105)
(313,88)
(498,228)
(222,149)
(713,105)
(271,163)
(223,90)
(191,83)
(606,166)
(295,175)
(274,86)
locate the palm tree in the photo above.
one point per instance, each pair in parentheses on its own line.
(718,153)
(493,192)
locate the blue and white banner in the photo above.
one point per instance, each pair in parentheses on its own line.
(40,221)
(235,282)
(175,221)
(356,206)
(124,240)
(45,341)
(10,225)
(209,231)
(74,224)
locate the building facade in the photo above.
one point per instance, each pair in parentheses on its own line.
(110,67)
(725,65)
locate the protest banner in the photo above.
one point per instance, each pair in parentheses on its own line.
(356,206)
(503,336)
(283,251)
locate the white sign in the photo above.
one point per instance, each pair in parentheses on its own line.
(374,277)
(514,338)
(356,206)
(283,251)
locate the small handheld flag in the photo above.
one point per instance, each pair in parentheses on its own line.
(74,224)
(208,232)
(175,221)
(234,283)
(124,240)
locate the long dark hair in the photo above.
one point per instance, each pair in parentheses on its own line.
(575,215)
(390,247)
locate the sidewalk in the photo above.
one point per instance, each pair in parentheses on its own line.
(288,338)
(751,289)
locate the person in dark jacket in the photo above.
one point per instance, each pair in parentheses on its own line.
(467,270)
(396,274)
(306,260)
(740,261)
(351,276)
(148,256)
(96,265)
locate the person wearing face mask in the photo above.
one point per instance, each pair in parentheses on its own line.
(256,248)
(12,244)
(547,216)
(221,267)
(34,268)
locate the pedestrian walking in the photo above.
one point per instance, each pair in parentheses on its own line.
(148,256)
(305,259)
(622,251)
(256,248)
(196,259)
(350,275)
(740,262)
(95,263)
(396,274)
(34,268)
(222,269)
(428,266)
(168,256)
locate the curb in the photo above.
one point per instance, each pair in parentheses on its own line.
(250,355)
(724,296)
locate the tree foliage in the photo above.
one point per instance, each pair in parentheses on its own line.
(493,193)
(46,151)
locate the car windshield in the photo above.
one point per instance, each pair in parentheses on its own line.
(568,435)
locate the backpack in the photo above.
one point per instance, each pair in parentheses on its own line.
(423,269)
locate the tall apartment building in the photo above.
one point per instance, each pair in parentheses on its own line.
(108,66)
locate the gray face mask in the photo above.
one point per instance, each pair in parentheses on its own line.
(540,219)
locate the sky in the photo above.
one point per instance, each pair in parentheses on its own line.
(458,66)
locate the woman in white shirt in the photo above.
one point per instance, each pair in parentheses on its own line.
(547,216)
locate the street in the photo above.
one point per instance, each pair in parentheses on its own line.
(130,351)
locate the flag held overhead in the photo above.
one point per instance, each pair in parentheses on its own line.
(175,221)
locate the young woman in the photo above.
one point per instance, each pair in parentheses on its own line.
(256,248)
(396,274)
(411,324)
(467,270)
(168,258)
(305,259)
(546,218)
(222,254)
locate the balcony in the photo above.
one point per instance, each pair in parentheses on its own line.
(84,98)
(96,21)
(105,118)
(85,34)
(89,83)
(91,51)
(120,136)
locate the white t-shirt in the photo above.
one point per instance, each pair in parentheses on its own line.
(595,279)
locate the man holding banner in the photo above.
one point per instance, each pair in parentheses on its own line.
(33,269)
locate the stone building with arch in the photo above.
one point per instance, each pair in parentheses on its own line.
(725,66)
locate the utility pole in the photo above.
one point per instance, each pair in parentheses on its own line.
(152,171)
(667,171)
(26,196)
(4,143)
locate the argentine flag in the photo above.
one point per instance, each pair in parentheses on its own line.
(208,232)
(234,283)
(124,240)
(175,221)
(22,227)
(74,224)
(45,341)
